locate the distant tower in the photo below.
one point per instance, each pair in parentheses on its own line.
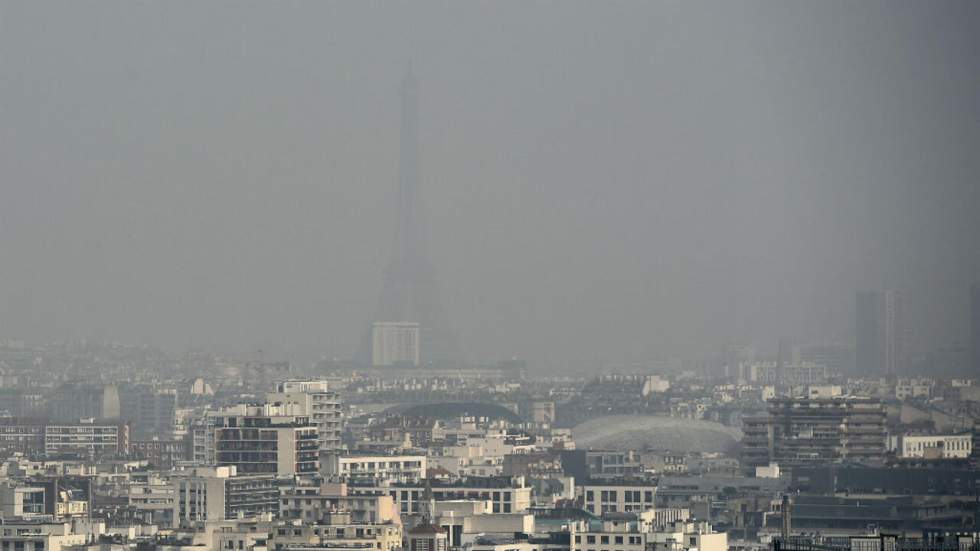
(410,294)
(787,354)
(881,334)
(975,327)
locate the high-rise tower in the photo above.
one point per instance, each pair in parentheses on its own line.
(975,327)
(882,336)
(409,293)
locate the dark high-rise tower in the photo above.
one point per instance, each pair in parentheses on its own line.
(975,327)
(409,293)
(882,337)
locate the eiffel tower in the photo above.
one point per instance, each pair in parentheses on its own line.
(409,292)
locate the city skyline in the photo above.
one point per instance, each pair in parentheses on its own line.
(490,276)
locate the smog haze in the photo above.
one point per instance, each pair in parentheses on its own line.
(603,182)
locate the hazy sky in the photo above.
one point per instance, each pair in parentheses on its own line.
(606,181)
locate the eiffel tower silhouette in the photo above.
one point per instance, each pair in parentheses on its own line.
(409,292)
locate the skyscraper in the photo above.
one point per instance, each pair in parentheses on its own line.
(409,293)
(975,327)
(882,337)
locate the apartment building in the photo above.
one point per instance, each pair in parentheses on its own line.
(322,405)
(506,495)
(616,497)
(48,535)
(337,530)
(935,446)
(217,493)
(369,467)
(90,438)
(311,504)
(601,464)
(803,430)
(266,440)
(629,532)
(22,435)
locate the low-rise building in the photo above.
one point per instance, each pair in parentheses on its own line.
(935,446)
(311,504)
(617,497)
(369,467)
(337,530)
(628,532)
(507,495)
(47,535)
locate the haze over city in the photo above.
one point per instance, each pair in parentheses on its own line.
(603,183)
(490,276)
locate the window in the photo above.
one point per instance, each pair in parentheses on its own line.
(589,496)
(590,539)
(619,540)
(603,539)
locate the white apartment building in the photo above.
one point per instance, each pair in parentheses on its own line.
(395,342)
(312,504)
(939,446)
(629,532)
(314,399)
(337,532)
(477,455)
(689,536)
(218,493)
(505,495)
(48,536)
(393,468)
(152,501)
(87,437)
